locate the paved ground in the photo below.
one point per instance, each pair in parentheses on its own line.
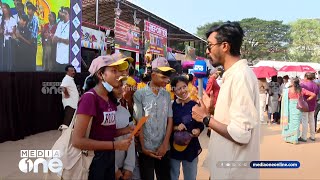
(272,148)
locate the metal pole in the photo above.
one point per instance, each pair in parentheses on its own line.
(200,87)
(97,12)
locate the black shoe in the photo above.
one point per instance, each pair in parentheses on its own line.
(302,140)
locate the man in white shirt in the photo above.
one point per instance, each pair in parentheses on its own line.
(286,81)
(235,136)
(61,37)
(70,96)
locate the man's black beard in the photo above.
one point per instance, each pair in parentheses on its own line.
(216,64)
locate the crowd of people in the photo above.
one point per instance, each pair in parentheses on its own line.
(280,98)
(128,101)
(19,30)
(115,100)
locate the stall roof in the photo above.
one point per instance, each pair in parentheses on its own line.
(107,15)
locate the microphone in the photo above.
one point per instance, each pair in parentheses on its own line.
(200,71)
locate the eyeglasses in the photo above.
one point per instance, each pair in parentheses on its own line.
(209,46)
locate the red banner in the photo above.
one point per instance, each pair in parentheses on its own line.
(126,36)
(155,38)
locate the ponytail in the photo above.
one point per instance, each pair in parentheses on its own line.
(296,85)
(90,82)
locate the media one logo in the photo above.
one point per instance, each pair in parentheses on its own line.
(52,161)
(51,88)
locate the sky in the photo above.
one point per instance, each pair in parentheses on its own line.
(189,14)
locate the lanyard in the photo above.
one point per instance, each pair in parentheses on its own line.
(63,30)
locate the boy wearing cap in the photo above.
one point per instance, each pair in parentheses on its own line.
(154,101)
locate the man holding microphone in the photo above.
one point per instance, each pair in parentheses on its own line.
(236,129)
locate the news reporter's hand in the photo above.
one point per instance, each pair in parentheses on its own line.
(207,100)
(122,144)
(199,111)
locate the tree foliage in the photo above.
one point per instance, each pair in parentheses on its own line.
(263,39)
(305,46)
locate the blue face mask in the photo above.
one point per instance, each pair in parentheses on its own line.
(107,86)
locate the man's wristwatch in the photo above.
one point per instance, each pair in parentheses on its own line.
(206,121)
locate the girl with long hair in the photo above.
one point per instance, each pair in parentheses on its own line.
(8,27)
(290,115)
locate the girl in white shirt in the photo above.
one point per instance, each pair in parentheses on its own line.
(7,45)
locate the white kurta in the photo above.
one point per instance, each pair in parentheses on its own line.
(238,107)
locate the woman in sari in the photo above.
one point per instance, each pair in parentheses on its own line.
(290,115)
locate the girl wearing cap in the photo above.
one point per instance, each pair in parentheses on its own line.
(185,143)
(99,104)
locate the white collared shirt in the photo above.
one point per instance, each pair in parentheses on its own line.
(238,108)
(9,25)
(70,85)
(62,31)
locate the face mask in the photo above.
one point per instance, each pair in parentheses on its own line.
(183,99)
(107,86)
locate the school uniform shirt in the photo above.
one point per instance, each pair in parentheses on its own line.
(124,159)
(17,17)
(62,31)
(34,27)
(8,27)
(103,127)
(72,101)
(238,108)
(25,33)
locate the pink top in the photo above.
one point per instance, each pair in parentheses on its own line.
(294,95)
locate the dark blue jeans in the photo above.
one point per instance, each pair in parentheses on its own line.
(102,166)
(149,165)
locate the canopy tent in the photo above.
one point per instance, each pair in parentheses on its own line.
(279,64)
(264,71)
